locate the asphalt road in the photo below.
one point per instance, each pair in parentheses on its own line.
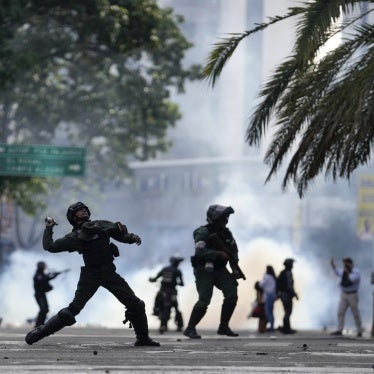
(78,350)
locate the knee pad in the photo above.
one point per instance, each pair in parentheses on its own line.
(201,305)
(74,309)
(135,310)
(140,307)
(66,316)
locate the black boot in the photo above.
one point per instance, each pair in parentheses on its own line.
(53,325)
(196,315)
(225,330)
(286,329)
(226,313)
(40,319)
(178,320)
(140,324)
(146,342)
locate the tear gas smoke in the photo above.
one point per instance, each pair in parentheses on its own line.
(103,309)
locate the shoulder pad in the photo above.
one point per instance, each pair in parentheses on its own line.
(201,229)
(121,227)
(73,234)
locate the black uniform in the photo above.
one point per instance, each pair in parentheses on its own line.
(41,287)
(212,241)
(166,297)
(286,292)
(92,240)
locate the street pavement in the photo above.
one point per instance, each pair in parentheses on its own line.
(77,350)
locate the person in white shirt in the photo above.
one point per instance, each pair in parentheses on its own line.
(268,284)
(350,281)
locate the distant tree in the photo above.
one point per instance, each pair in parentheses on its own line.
(323,105)
(98,74)
(101,75)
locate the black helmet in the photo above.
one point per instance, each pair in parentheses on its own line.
(176,260)
(41,265)
(288,262)
(215,212)
(70,214)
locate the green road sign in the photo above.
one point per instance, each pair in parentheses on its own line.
(42,160)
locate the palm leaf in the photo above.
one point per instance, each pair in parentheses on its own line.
(224,49)
(323,107)
(316,109)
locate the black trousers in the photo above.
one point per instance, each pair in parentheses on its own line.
(103,276)
(41,299)
(286,299)
(166,299)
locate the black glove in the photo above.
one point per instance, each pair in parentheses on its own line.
(135,239)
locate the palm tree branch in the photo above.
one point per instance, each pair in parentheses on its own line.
(272,91)
(302,99)
(224,49)
(319,23)
(340,135)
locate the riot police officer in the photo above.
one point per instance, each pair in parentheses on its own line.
(166,297)
(286,293)
(92,240)
(41,287)
(214,248)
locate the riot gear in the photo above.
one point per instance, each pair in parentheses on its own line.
(166,298)
(73,208)
(89,230)
(66,316)
(41,287)
(175,260)
(63,318)
(216,212)
(214,247)
(91,239)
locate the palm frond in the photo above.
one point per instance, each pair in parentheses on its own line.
(324,108)
(316,26)
(339,135)
(220,55)
(272,91)
(301,101)
(224,49)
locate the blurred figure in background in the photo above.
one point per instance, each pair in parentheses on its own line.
(286,292)
(349,284)
(269,285)
(258,309)
(41,287)
(166,297)
(366,233)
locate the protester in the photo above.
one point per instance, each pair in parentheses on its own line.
(258,309)
(350,278)
(269,285)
